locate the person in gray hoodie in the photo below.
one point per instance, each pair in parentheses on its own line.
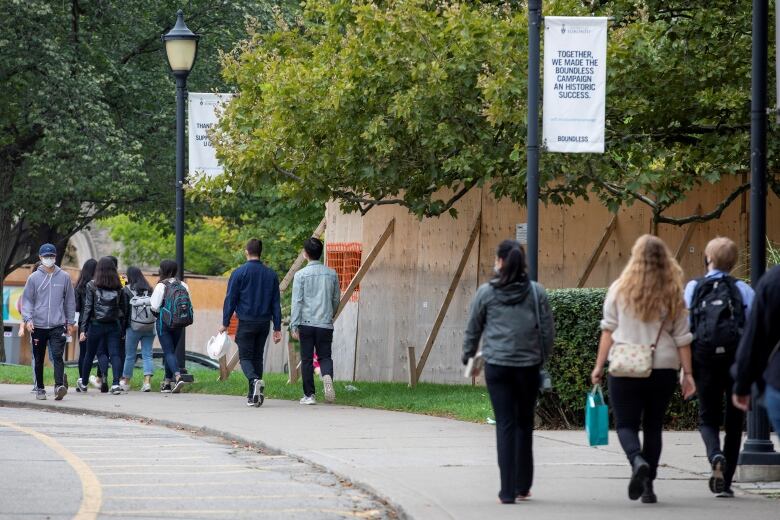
(512,316)
(49,312)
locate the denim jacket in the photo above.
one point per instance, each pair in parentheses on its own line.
(315,297)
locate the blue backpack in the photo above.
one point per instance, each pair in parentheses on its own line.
(176,311)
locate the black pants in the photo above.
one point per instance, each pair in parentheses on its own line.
(103,341)
(513,392)
(642,401)
(250,338)
(713,384)
(321,340)
(55,339)
(83,359)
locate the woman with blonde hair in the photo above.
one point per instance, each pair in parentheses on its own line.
(644,312)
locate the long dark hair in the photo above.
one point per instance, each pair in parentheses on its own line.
(136,280)
(513,267)
(87,274)
(106,276)
(168,269)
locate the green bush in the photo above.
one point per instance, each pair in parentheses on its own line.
(577,315)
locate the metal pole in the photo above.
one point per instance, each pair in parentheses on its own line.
(758,449)
(181,101)
(532,142)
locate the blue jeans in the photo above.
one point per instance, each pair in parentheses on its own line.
(772,404)
(169,338)
(101,338)
(132,338)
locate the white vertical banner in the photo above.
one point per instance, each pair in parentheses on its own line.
(575,84)
(202,117)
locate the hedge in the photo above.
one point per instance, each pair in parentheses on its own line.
(577,315)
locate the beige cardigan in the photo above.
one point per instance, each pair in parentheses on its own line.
(628,329)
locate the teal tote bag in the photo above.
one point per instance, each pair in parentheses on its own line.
(596,418)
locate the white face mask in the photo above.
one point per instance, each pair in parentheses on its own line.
(47,262)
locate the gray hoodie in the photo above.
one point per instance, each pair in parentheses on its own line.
(48,299)
(506,318)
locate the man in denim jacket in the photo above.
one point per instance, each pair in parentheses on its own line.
(315,298)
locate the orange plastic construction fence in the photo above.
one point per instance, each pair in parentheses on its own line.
(345,258)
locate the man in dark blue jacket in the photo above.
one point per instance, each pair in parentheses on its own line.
(253,294)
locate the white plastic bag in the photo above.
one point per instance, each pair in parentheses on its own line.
(218,345)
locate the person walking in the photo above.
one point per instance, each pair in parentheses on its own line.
(172,304)
(758,354)
(512,316)
(102,324)
(253,295)
(315,298)
(85,276)
(719,305)
(139,328)
(644,307)
(49,314)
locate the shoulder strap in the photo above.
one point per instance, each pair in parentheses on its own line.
(773,354)
(658,337)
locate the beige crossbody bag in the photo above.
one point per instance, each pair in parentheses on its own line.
(632,360)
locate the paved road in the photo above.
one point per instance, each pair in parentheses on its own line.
(440,469)
(62,466)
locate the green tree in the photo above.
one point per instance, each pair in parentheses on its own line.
(87,110)
(390,103)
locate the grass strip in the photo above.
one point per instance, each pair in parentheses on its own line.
(463,402)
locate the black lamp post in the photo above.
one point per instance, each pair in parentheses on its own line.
(181,49)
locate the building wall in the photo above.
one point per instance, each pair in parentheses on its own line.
(407,284)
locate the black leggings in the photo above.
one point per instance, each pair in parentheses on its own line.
(642,400)
(513,392)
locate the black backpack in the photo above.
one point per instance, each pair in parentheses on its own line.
(106,305)
(176,311)
(717,318)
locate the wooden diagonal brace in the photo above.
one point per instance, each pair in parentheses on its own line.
(447,300)
(594,256)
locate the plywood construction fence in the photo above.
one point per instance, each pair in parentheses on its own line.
(580,245)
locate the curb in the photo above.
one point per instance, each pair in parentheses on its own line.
(395,510)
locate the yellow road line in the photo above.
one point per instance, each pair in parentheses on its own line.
(155,459)
(168,473)
(372,513)
(220,497)
(255,483)
(91,491)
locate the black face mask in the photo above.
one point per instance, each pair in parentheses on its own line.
(706,263)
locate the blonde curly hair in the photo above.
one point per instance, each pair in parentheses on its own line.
(651,285)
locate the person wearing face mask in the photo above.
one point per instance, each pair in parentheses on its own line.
(49,311)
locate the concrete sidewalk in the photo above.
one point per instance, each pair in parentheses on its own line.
(433,468)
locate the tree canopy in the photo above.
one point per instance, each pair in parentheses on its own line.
(392,102)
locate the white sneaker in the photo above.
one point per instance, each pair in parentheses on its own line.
(146,387)
(308,399)
(95,382)
(330,393)
(124,386)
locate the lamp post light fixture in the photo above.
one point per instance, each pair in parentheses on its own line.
(181,49)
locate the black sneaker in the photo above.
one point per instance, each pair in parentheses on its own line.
(639,476)
(250,402)
(80,386)
(717,481)
(116,390)
(257,395)
(60,392)
(103,387)
(177,386)
(648,495)
(165,387)
(726,493)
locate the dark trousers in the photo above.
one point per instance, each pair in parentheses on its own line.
(55,339)
(713,385)
(169,338)
(320,340)
(250,338)
(513,392)
(103,342)
(83,359)
(642,401)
